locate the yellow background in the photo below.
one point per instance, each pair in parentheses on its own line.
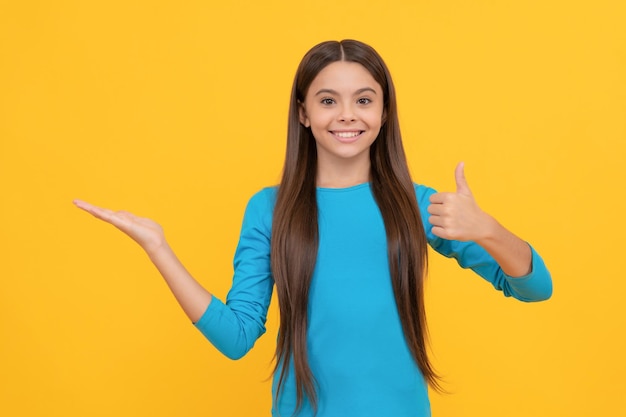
(176,110)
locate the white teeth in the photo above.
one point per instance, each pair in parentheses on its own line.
(347,134)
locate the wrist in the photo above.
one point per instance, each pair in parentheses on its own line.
(157,249)
(489,228)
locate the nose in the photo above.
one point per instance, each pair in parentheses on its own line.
(346,114)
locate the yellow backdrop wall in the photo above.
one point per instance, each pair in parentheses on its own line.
(177,111)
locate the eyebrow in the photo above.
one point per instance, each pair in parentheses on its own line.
(356,93)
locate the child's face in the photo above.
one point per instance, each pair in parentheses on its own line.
(344,109)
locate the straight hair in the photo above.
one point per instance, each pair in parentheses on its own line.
(295,235)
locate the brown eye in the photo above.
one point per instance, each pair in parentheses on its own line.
(327,101)
(364,100)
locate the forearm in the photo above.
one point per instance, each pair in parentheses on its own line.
(509,251)
(191,296)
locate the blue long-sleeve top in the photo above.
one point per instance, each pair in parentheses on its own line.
(356,347)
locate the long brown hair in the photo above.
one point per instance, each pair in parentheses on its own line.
(295,228)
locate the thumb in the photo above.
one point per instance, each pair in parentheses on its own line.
(461,183)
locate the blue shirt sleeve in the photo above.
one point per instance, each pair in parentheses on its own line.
(536,286)
(233,327)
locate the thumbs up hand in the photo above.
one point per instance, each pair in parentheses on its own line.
(456,216)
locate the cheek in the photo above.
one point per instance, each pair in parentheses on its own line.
(318,128)
(319,121)
(377,119)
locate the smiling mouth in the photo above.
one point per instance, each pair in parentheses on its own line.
(347,135)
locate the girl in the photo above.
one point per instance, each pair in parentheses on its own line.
(343,238)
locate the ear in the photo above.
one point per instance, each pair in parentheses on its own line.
(303,117)
(384,118)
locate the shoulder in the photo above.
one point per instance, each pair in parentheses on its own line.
(423,193)
(260,208)
(264,198)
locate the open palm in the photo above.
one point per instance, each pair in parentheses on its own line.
(147,233)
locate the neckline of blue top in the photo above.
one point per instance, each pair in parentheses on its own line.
(344,189)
